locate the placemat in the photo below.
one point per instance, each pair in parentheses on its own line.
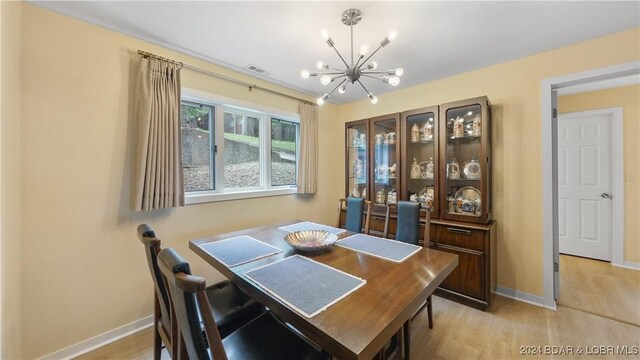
(305,285)
(387,249)
(239,250)
(307,225)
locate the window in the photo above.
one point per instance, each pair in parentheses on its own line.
(232,152)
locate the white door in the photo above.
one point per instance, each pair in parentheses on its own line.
(584,184)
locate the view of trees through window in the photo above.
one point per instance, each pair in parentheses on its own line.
(196,146)
(240,152)
(283,152)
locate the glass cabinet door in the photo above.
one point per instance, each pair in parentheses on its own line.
(420,157)
(357,135)
(386,153)
(465,160)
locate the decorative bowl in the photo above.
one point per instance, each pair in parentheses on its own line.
(311,240)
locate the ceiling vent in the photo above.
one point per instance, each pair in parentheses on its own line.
(258,70)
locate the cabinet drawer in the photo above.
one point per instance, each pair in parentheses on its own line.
(460,237)
(467,278)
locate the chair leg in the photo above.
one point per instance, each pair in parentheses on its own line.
(406,336)
(157,341)
(430,312)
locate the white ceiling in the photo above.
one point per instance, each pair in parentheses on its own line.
(435,39)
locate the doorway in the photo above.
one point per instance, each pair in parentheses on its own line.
(585,188)
(549,123)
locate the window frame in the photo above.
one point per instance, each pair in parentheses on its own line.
(265,115)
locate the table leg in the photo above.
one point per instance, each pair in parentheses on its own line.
(406,336)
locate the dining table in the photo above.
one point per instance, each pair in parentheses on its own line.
(360,324)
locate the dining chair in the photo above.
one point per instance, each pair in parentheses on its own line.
(408,231)
(265,337)
(232,306)
(354,214)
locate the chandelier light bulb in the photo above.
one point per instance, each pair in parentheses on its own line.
(374,65)
(392,35)
(364,49)
(373,99)
(319,65)
(399,71)
(394,81)
(320,101)
(342,89)
(325,34)
(325,79)
(305,74)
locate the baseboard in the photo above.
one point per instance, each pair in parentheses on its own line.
(101,340)
(627,265)
(519,295)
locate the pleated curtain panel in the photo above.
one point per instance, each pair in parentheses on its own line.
(308,160)
(157,180)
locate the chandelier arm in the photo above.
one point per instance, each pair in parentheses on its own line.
(358,62)
(332,73)
(338,77)
(341,58)
(337,86)
(370,56)
(371,76)
(375,72)
(365,89)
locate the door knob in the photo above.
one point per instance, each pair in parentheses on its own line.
(605,195)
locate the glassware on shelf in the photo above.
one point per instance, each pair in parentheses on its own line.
(415,133)
(453,169)
(416,171)
(380,139)
(392,171)
(380,197)
(426,133)
(428,172)
(458,127)
(471,169)
(355,192)
(358,168)
(390,138)
(476,129)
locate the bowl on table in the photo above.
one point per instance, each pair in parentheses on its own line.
(311,240)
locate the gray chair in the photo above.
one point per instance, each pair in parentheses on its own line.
(354,214)
(408,231)
(232,307)
(265,337)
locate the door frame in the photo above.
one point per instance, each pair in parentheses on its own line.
(548,91)
(617,177)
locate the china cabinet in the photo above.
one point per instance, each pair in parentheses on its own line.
(439,156)
(357,158)
(373,159)
(419,157)
(465,160)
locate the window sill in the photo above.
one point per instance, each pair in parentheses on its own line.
(199,198)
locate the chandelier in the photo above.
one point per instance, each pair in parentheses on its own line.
(353,71)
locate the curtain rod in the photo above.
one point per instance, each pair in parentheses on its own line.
(224,77)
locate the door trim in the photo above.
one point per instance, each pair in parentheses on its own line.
(617,177)
(549,162)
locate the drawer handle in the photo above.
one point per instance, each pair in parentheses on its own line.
(459,231)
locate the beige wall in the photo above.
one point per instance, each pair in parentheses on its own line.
(514,90)
(84,271)
(627,97)
(10,225)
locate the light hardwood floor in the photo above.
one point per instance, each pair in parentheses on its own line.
(600,288)
(461,332)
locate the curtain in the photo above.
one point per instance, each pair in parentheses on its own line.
(308,160)
(157,180)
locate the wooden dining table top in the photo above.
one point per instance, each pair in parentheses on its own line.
(359,325)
